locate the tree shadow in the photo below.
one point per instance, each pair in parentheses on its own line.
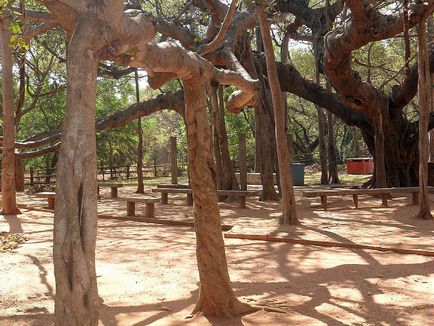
(14,222)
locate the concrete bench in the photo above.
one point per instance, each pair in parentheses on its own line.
(131,205)
(385,194)
(242,194)
(113,188)
(166,191)
(173,186)
(51,197)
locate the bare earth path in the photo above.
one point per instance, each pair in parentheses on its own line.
(147,272)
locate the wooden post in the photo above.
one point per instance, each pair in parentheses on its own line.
(51,202)
(150,210)
(31,177)
(114,192)
(164,198)
(173,166)
(131,208)
(242,161)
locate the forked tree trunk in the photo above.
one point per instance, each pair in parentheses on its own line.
(140,185)
(75,218)
(424,89)
(9,199)
(216,296)
(289,214)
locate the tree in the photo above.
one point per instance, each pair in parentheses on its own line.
(289,215)
(9,204)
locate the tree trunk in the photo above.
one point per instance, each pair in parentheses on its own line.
(140,185)
(173,165)
(19,175)
(216,296)
(242,160)
(332,157)
(289,214)
(265,143)
(226,174)
(9,197)
(424,90)
(380,163)
(322,144)
(75,218)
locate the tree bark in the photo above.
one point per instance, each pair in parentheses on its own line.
(19,175)
(173,165)
(216,296)
(332,157)
(140,185)
(289,214)
(75,218)
(9,199)
(424,88)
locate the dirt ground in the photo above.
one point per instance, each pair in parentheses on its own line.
(147,273)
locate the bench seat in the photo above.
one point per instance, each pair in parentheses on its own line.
(385,194)
(113,188)
(51,197)
(241,193)
(131,205)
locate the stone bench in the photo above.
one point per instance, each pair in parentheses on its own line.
(51,197)
(131,205)
(113,188)
(385,194)
(242,194)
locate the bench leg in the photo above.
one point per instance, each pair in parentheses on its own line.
(114,192)
(164,198)
(384,200)
(150,210)
(415,198)
(51,202)
(190,199)
(356,201)
(242,201)
(324,202)
(131,208)
(97,190)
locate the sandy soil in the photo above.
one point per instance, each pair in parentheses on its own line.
(147,273)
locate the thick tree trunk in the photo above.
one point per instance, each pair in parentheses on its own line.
(75,218)
(216,296)
(424,90)
(9,199)
(289,214)
(140,185)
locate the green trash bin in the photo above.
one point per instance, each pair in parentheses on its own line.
(297,174)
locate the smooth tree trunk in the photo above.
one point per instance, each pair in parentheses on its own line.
(140,185)
(216,297)
(289,214)
(424,90)
(9,197)
(75,218)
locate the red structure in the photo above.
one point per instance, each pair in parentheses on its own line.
(360,165)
